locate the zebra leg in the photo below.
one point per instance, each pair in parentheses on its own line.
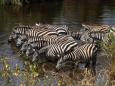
(35,56)
(87,64)
(93,65)
(76,66)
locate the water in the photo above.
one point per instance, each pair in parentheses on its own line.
(69,12)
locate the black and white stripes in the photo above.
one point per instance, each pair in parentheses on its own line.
(82,53)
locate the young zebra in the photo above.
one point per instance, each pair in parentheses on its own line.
(81,54)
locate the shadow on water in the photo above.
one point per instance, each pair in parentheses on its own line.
(69,12)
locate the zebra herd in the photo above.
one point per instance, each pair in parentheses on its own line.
(58,43)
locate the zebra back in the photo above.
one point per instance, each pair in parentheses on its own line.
(92,28)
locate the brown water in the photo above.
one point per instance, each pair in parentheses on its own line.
(69,12)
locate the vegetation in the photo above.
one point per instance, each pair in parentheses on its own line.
(11,2)
(25,77)
(110,51)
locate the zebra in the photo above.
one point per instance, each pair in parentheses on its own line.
(60,29)
(18,30)
(18,34)
(102,36)
(49,41)
(57,50)
(35,33)
(92,28)
(45,41)
(81,54)
(39,42)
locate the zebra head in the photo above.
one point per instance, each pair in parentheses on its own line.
(29,51)
(66,65)
(59,63)
(11,37)
(35,56)
(20,40)
(24,47)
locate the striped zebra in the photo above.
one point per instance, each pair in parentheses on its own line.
(57,50)
(102,37)
(92,28)
(85,53)
(60,29)
(76,35)
(49,41)
(18,34)
(19,30)
(39,40)
(35,33)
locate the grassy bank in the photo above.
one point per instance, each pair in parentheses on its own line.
(33,74)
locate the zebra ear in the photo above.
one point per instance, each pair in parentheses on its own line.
(113,29)
(85,26)
(37,24)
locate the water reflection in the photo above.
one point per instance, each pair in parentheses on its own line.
(89,11)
